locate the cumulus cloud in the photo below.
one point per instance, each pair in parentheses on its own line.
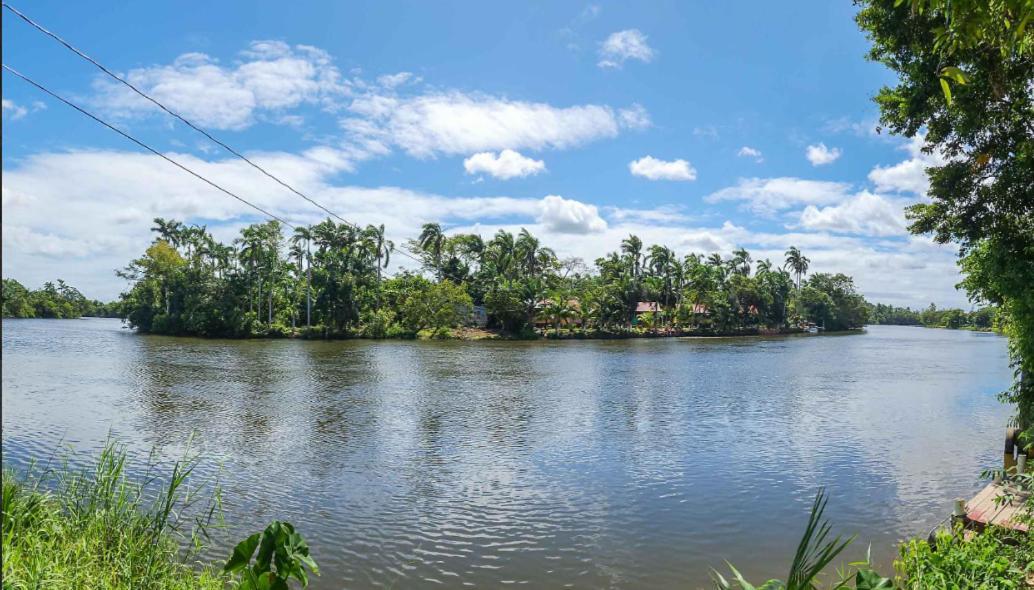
(749,152)
(568,216)
(864,213)
(459,123)
(622,46)
(908,176)
(268,77)
(505,165)
(820,155)
(766,196)
(654,169)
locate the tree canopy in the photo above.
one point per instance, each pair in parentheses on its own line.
(328,281)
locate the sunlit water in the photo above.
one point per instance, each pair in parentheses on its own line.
(632,464)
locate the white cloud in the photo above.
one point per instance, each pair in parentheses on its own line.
(567,216)
(908,176)
(622,46)
(459,123)
(635,117)
(654,169)
(820,155)
(864,213)
(395,80)
(270,76)
(766,196)
(749,152)
(13,111)
(663,214)
(506,164)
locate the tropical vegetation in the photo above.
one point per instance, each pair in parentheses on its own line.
(60,301)
(982,319)
(329,280)
(101,527)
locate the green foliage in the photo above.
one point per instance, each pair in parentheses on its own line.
(98,528)
(59,301)
(282,555)
(328,283)
(831,301)
(986,561)
(436,307)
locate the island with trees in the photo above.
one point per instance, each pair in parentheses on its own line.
(328,281)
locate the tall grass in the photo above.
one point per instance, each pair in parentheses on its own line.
(99,528)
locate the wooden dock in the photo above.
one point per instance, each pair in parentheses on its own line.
(983,510)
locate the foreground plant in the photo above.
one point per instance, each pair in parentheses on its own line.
(282,555)
(99,528)
(814,554)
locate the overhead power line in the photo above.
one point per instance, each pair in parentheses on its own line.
(401,249)
(144,145)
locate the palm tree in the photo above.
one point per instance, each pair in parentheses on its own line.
(632,246)
(796,262)
(171,230)
(382,248)
(740,262)
(432,241)
(559,309)
(304,234)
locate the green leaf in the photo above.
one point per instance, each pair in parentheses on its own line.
(954,74)
(242,553)
(946,89)
(870,580)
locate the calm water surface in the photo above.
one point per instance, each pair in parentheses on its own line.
(631,464)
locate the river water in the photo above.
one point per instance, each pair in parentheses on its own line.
(584,464)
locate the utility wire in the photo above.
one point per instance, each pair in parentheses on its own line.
(143,145)
(401,250)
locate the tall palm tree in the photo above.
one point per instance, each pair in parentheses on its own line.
(632,246)
(380,246)
(796,262)
(304,234)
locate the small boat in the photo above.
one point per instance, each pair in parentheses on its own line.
(811,329)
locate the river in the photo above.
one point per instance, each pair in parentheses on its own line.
(584,464)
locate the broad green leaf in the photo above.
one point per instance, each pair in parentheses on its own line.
(242,553)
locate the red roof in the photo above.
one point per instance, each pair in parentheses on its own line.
(699,308)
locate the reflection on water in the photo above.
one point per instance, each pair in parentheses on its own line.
(635,463)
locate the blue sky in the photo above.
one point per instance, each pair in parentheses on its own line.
(704,126)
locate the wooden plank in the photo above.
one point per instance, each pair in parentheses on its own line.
(983,511)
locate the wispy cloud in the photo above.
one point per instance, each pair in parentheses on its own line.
(622,46)
(749,152)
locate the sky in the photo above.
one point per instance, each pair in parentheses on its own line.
(703,126)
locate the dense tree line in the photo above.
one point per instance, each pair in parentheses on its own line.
(328,280)
(51,301)
(984,318)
